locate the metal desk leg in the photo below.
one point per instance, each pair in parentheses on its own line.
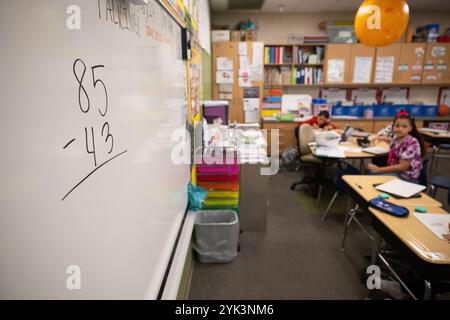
(427,294)
(396,276)
(347,215)
(375,248)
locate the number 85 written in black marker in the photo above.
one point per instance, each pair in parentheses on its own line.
(82,89)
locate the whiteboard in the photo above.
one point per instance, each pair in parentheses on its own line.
(114,213)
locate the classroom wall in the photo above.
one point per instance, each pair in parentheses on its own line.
(275,27)
(206,76)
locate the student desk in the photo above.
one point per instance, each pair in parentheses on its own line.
(351,143)
(428,255)
(435,140)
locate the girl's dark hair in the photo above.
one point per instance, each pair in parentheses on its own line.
(414,132)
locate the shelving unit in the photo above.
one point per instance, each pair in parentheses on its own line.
(413,64)
(288,65)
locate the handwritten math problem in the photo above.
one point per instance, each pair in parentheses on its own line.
(92,134)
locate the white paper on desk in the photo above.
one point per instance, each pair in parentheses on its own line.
(376,150)
(224,63)
(335,72)
(224,77)
(330,152)
(384,70)
(435,222)
(400,188)
(242,48)
(251,104)
(362,70)
(350,149)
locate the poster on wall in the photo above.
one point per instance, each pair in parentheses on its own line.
(194,76)
(204,26)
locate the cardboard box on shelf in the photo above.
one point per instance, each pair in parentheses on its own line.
(220,35)
(250,35)
(236,36)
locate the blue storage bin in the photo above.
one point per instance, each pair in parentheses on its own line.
(356,111)
(339,110)
(415,110)
(384,110)
(429,110)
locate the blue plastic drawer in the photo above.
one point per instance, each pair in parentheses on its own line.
(339,110)
(415,110)
(356,111)
(429,110)
(384,110)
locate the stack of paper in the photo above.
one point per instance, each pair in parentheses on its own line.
(330,152)
(401,188)
(435,222)
(376,150)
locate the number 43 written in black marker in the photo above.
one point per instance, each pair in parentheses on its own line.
(85,106)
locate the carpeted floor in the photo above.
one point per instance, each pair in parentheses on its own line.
(299,256)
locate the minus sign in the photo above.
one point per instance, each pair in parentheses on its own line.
(68,143)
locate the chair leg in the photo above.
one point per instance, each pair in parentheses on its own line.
(329,206)
(352,215)
(319,196)
(344,236)
(433,190)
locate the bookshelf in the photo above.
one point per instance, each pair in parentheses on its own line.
(297,65)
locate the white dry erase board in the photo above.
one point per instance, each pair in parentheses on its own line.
(86,177)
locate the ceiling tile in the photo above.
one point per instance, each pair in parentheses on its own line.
(313,5)
(274,5)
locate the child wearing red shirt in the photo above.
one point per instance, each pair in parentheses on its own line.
(321,121)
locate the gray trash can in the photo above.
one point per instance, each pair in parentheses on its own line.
(216,235)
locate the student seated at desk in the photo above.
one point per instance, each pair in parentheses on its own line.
(406,150)
(321,121)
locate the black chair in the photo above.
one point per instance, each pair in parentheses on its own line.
(440,182)
(343,169)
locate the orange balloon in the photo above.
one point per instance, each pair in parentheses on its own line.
(380,23)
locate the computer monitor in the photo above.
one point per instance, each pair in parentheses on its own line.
(346,133)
